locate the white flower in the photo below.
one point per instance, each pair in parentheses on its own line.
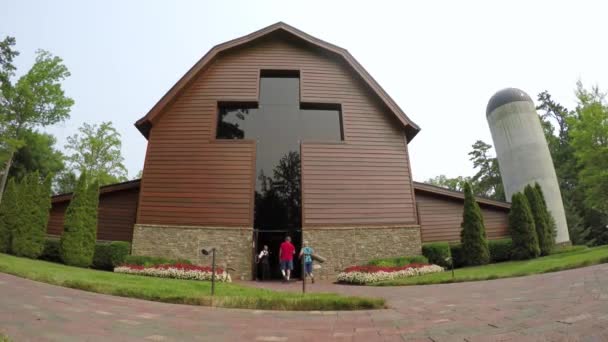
(171,272)
(365,277)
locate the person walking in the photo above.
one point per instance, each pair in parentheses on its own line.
(286,252)
(307,252)
(263,260)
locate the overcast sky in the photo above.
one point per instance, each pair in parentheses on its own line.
(440,61)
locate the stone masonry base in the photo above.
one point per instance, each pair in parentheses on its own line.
(233,245)
(343,247)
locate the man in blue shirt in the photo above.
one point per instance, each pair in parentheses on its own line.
(307,252)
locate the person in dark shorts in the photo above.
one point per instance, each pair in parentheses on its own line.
(307,252)
(286,252)
(263,260)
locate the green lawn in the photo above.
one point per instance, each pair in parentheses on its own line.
(565,259)
(3,338)
(178,291)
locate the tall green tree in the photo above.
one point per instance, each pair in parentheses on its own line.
(77,243)
(9,213)
(589,134)
(34,100)
(455,184)
(487,181)
(96,149)
(473,234)
(522,229)
(541,219)
(37,154)
(34,200)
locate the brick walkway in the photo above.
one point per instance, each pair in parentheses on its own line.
(565,306)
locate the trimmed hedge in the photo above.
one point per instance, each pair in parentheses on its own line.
(456,252)
(51,250)
(143,260)
(110,254)
(500,250)
(437,252)
(399,261)
(107,254)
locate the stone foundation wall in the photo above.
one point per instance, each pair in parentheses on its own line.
(343,247)
(233,245)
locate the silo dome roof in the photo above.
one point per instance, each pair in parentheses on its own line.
(505,96)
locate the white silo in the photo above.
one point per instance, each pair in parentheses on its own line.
(522,151)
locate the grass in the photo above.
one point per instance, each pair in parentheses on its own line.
(3,338)
(573,257)
(179,291)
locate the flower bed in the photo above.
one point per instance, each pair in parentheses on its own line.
(370,274)
(177,271)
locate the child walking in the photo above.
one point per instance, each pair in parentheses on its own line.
(307,252)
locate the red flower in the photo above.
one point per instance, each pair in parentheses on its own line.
(374,269)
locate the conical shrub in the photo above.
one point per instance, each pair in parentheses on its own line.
(540,219)
(551,226)
(522,229)
(77,244)
(473,234)
(8,215)
(34,203)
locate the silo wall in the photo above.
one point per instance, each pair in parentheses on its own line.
(524,157)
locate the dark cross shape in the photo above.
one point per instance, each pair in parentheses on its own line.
(279,123)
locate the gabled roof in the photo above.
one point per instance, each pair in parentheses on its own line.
(145,123)
(436,190)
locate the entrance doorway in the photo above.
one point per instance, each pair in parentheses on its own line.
(273,239)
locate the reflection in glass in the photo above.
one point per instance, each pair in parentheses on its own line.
(278,125)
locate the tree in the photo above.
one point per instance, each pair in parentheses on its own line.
(589,134)
(541,219)
(65,182)
(96,150)
(37,154)
(487,181)
(522,229)
(473,234)
(455,184)
(77,243)
(586,224)
(9,212)
(34,200)
(36,99)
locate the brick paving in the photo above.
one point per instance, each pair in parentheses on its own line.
(564,306)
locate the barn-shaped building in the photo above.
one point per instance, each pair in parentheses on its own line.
(272,134)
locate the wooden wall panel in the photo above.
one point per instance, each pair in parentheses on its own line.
(116,215)
(440,218)
(191,179)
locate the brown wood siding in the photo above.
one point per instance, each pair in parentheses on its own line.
(440,218)
(115,220)
(192,179)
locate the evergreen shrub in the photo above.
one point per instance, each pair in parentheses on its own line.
(522,229)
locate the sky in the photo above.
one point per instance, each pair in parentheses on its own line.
(440,61)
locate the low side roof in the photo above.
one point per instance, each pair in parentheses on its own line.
(132,184)
(145,123)
(435,190)
(422,187)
